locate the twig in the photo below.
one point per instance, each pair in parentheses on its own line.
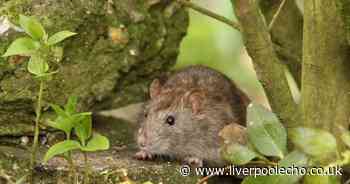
(274,18)
(211,14)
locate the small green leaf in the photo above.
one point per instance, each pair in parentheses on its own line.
(238,154)
(266,132)
(314,142)
(83,128)
(97,142)
(32,27)
(346,138)
(22,46)
(61,123)
(60,36)
(70,107)
(59,111)
(37,65)
(61,147)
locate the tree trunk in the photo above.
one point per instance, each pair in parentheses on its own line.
(121,45)
(326,68)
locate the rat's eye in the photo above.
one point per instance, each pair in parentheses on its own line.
(145,114)
(170,120)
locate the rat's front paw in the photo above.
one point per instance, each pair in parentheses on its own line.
(194,161)
(143,155)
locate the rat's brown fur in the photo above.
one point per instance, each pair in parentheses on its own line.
(202,101)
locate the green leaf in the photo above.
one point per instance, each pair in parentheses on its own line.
(59,111)
(256,180)
(83,128)
(70,107)
(61,147)
(319,179)
(97,142)
(295,159)
(238,154)
(61,123)
(314,142)
(22,46)
(32,27)
(60,36)
(37,65)
(266,132)
(346,138)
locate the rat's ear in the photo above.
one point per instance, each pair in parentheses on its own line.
(196,101)
(155,88)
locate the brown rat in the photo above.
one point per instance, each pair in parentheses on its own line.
(186,113)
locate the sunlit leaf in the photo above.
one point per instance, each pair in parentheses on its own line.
(22,46)
(346,138)
(266,132)
(32,27)
(238,154)
(295,159)
(319,179)
(60,148)
(83,128)
(314,142)
(97,142)
(61,123)
(59,111)
(37,65)
(60,36)
(70,107)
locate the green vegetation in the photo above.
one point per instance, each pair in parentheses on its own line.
(40,48)
(267,145)
(69,119)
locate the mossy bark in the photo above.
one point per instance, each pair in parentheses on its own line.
(269,69)
(286,34)
(121,45)
(326,68)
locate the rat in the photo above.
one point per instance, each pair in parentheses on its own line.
(185,114)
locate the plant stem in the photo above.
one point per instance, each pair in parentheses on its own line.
(73,172)
(36,131)
(211,14)
(274,18)
(86,174)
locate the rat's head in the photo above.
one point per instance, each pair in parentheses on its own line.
(168,118)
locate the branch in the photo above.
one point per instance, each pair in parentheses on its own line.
(289,24)
(273,20)
(269,68)
(210,14)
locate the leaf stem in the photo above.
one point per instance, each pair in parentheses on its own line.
(211,14)
(36,131)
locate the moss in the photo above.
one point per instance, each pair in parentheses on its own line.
(101,72)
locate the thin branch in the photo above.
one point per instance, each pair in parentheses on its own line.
(274,18)
(270,70)
(211,14)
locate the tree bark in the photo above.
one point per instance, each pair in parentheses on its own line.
(270,70)
(120,47)
(326,68)
(286,34)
